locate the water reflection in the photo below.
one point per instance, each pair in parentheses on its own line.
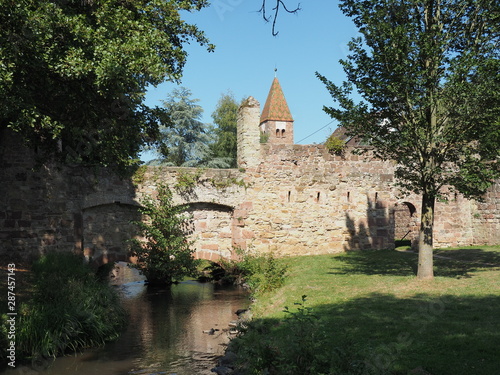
(165,332)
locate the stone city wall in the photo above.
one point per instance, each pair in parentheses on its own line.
(288,199)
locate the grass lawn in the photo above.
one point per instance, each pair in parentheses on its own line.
(366,313)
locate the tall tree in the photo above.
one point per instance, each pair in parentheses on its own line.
(184,139)
(429,74)
(73,73)
(223,150)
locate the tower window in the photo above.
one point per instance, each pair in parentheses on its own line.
(282,133)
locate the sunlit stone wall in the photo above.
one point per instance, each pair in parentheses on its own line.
(288,199)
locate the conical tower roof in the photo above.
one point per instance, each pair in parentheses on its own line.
(276,108)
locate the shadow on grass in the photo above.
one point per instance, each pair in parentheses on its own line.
(447,263)
(376,262)
(379,334)
(480,258)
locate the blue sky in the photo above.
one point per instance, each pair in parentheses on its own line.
(246,54)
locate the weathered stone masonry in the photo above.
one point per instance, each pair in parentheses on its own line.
(290,199)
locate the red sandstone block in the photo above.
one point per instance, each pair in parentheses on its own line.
(240,214)
(247,234)
(241,244)
(246,206)
(239,222)
(201,254)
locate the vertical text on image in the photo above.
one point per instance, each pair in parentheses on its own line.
(11,314)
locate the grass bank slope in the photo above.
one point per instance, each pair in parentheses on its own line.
(366,313)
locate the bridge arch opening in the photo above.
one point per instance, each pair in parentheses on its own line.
(105,230)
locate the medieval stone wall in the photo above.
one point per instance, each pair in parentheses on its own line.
(305,201)
(53,208)
(289,199)
(37,212)
(485,218)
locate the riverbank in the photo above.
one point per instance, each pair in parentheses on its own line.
(54,306)
(366,313)
(183,328)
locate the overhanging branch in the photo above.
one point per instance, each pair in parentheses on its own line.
(279,4)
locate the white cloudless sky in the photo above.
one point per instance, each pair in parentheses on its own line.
(246,54)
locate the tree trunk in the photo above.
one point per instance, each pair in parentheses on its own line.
(425,259)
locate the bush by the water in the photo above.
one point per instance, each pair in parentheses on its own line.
(260,273)
(70,309)
(165,255)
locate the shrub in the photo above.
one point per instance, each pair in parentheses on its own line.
(165,256)
(264,137)
(70,309)
(294,345)
(335,145)
(263,273)
(260,273)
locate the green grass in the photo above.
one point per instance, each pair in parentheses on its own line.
(366,313)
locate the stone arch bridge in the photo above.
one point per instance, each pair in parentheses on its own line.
(215,198)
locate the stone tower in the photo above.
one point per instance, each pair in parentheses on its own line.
(276,121)
(248,133)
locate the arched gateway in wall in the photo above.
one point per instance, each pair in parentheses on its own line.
(106,228)
(215,204)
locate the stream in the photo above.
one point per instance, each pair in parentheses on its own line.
(166,333)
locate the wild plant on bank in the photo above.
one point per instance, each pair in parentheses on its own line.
(260,273)
(294,345)
(263,273)
(70,309)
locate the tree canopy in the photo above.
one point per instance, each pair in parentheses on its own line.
(184,139)
(428,73)
(223,149)
(73,73)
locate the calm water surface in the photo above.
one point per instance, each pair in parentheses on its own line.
(165,332)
